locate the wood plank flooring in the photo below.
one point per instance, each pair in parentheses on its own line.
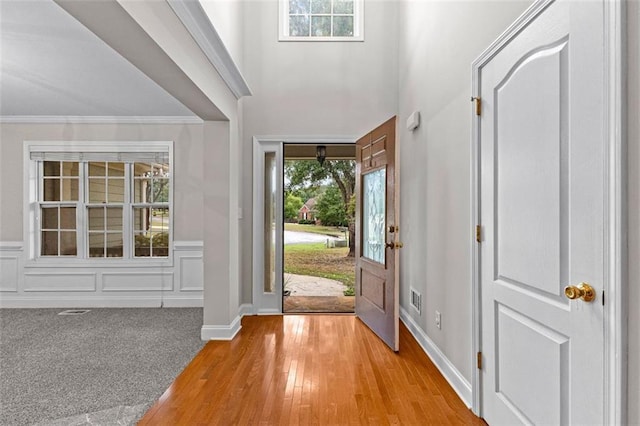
(309,370)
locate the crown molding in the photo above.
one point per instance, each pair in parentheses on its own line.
(196,21)
(307,139)
(60,119)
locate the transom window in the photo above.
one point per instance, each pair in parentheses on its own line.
(101,205)
(321,20)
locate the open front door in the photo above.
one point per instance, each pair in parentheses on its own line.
(377,243)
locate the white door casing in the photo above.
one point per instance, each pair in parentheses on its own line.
(270,302)
(547,171)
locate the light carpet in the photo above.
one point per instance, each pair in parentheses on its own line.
(54,367)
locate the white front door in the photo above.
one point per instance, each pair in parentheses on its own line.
(542,144)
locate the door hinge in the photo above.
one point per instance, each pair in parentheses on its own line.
(602,297)
(478,102)
(479,360)
(479,233)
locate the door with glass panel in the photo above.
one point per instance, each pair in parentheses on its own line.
(377,244)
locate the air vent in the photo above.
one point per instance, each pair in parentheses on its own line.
(74,312)
(416,300)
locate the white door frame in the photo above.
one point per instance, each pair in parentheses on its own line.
(263,304)
(615,319)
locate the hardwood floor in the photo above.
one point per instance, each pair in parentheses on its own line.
(309,370)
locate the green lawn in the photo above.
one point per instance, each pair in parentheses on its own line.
(314,229)
(316,260)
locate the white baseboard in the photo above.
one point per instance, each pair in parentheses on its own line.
(224,332)
(269,312)
(245,309)
(221,332)
(183,302)
(104,302)
(457,381)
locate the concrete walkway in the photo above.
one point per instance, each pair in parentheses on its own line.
(295,237)
(304,285)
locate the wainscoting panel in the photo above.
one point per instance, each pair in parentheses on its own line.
(137,281)
(25,284)
(191,273)
(8,273)
(59,281)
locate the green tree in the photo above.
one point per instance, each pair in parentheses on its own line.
(330,209)
(162,193)
(159,192)
(292,205)
(310,175)
(305,193)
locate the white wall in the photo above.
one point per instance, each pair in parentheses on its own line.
(220,150)
(188,166)
(435,167)
(633,137)
(180,283)
(198,84)
(438,41)
(312,88)
(220,296)
(226,17)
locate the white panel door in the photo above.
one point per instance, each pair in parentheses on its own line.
(542,208)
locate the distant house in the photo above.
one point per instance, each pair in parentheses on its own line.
(308,210)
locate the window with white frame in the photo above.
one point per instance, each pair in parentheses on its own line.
(321,20)
(100,205)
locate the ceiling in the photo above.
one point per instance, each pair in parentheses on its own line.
(51,65)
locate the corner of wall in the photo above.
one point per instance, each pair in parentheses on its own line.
(221,332)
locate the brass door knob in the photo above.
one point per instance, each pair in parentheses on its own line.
(393,245)
(582,291)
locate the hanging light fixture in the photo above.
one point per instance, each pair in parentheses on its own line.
(321,153)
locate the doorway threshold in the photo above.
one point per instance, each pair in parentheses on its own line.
(318,304)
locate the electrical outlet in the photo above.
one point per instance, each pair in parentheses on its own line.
(438,320)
